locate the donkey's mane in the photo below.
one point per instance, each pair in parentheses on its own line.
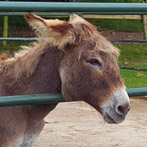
(26,60)
(104,45)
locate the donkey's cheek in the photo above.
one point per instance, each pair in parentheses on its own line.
(75,90)
(76,84)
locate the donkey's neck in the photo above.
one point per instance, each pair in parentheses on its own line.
(45,78)
(38,72)
(33,72)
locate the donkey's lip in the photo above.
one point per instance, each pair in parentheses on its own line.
(109,119)
(113,118)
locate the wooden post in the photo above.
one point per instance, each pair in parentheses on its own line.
(145,26)
(5,32)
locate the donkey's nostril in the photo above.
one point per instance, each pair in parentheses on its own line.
(122,109)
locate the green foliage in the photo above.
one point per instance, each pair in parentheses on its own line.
(123,25)
(134,79)
(12,46)
(14,21)
(132,54)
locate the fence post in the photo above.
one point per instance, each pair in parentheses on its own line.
(145,26)
(5,32)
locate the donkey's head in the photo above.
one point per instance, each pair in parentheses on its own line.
(89,69)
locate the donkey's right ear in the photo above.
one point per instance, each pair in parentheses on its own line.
(47,27)
(57,32)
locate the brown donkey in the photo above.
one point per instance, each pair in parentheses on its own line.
(71,58)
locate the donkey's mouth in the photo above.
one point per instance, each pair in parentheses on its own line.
(112,117)
(109,119)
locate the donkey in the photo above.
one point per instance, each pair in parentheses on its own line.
(70,57)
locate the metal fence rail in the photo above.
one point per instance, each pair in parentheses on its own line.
(99,8)
(35,39)
(66,8)
(54,98)
(132,92)
(133,68)
(30,99)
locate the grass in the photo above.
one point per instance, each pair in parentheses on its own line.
(123,25)
(133,55)
(134,79)
(12,46)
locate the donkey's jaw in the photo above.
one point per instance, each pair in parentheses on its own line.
(116,108)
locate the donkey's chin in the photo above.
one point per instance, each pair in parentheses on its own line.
(113,118)
(116,108)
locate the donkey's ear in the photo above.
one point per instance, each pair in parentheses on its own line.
(42,25)
(56,31)
(82,26)
(37,23)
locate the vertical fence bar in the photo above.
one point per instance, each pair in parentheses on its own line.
(5,31)
(145,26)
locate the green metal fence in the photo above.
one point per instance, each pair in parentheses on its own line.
(80,8)
(53,98)
(101,8)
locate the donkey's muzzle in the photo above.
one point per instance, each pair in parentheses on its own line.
(122,109)
(116,108)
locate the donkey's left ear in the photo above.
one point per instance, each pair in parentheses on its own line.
(37,23)
(56,31)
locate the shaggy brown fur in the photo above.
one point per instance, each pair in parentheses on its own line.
(57,63)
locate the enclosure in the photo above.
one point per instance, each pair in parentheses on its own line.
(90,130)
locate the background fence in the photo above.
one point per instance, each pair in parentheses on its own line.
(16,28)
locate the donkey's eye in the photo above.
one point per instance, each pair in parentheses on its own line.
(95,64)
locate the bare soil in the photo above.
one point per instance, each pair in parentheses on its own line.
(113,35)
(78,125)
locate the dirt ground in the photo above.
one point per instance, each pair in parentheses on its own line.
(111,34)
(78,125)
(114,35)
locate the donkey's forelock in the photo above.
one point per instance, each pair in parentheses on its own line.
(82,27)
(88,32)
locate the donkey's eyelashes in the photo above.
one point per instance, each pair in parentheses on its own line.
(94,63)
